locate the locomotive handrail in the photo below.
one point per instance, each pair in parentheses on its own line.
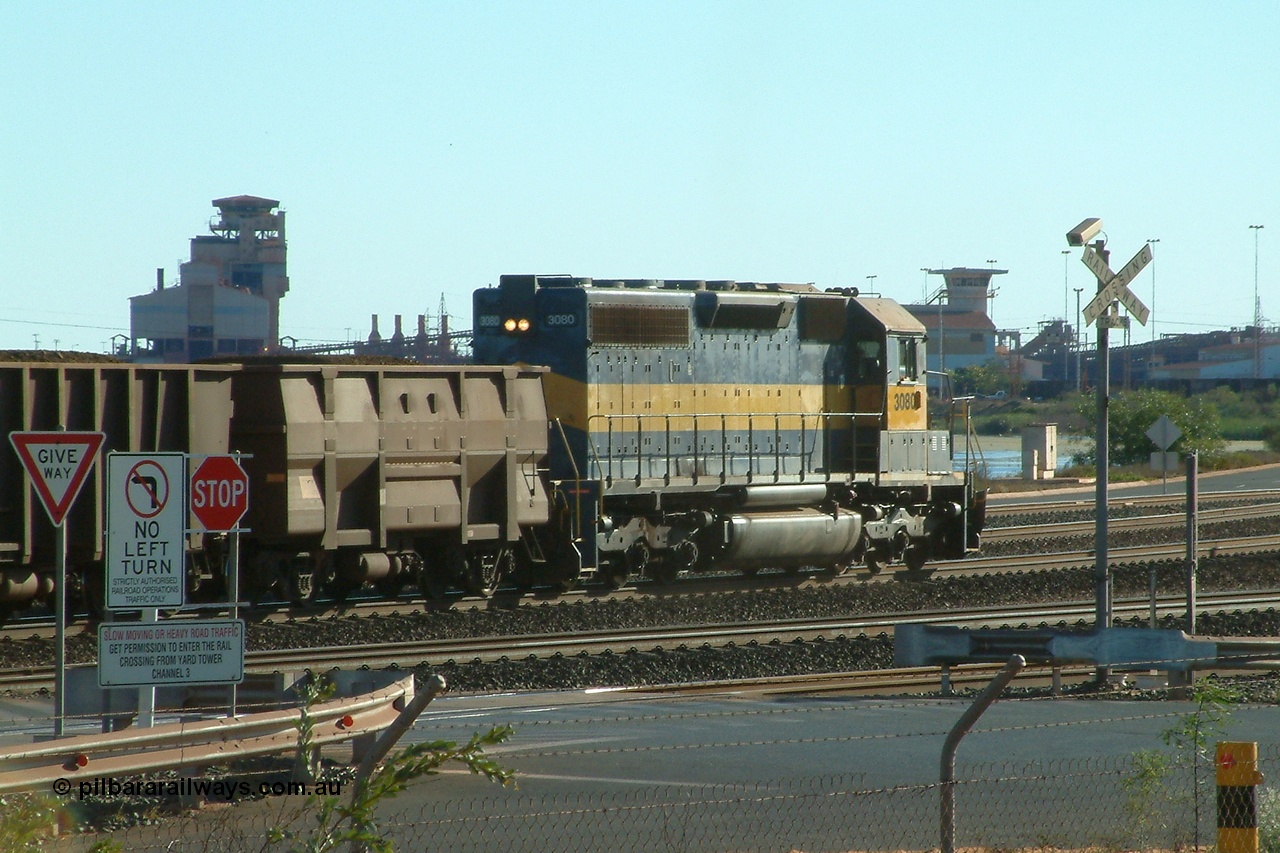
(199,744)
(577,476)
(696,420)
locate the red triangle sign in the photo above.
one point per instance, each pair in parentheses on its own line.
(58,463)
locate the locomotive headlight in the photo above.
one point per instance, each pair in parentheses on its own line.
(523,325)
(510,324)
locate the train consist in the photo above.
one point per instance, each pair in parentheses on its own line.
(609,430)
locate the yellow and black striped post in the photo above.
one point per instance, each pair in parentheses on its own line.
(1238,780)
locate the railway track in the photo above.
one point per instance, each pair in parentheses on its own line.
(489,649)
(999,506)
(1116,556)
(1142,522)
(710,585)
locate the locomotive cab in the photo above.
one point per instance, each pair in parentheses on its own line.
(887,357)
(918,506)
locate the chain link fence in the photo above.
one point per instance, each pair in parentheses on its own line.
(1158,797)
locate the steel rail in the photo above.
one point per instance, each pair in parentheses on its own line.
(1004,504)
(488,649)
(1144,554)
(1141,554)
(1138,522)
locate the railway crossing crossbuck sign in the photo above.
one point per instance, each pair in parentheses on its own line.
(1116,285)
(219,493)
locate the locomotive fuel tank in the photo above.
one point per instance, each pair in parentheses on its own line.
(791,538)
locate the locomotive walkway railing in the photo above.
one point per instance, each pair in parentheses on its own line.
(710,437)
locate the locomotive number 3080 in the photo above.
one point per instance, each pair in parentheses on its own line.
(906,401)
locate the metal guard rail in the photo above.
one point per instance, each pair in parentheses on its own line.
(200,743)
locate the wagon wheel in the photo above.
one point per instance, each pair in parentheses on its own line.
(485,572)
(875,562)
(389,587)
(915,557)
(664,572)
(433,583)
(436,576)
(615,572)
(566,577)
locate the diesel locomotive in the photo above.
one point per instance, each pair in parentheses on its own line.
(609,430)
(718,424)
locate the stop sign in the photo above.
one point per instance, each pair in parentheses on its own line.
(219,493)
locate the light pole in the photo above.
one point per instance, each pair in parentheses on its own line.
(1151,362)
(1257,308)
(872,283)
(1066,347)
(991,293)
(1079,370)
(924,294)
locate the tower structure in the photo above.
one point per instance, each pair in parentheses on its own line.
(227,301)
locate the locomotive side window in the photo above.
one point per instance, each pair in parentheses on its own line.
(868,361)
(907,366)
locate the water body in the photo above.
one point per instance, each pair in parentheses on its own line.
(1003,454)
(1005,464)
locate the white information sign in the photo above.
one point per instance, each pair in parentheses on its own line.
(146,527)
(1164,432)
(176,651)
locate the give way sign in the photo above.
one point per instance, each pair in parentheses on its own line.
(219,493)
(58,464)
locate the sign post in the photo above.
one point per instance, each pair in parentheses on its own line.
(1163,433)
(146,541)
(219,499)
(58,464)
(1111,287)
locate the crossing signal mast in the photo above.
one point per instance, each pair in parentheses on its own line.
(1112,287)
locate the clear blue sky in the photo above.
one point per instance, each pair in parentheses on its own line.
(423,149)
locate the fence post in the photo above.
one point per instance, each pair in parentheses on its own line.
(947,774)
(1238,780)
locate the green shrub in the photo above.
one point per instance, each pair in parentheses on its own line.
(1269,820)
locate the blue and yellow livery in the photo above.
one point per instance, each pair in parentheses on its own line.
(734,424)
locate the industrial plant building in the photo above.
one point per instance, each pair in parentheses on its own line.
(227,300)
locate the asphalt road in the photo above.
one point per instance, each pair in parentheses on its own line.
(804,773)
(1240,480)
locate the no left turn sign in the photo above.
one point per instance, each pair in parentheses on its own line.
(146,530)
(147,489)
